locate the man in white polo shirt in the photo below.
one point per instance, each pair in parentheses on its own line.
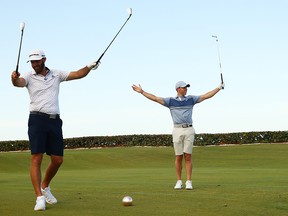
(181,108)
(45,125)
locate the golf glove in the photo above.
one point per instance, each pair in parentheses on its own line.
(221,86)
(93,65)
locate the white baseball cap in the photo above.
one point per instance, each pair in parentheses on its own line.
(36,55)
(181,84)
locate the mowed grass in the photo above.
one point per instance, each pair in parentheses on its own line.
(227,180)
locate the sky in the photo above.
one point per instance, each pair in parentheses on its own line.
(162,43)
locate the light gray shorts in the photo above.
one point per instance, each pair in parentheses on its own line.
(183,139)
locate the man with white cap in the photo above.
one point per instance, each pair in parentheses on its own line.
(181,108)
(45,124)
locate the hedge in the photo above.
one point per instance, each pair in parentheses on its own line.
(157,140)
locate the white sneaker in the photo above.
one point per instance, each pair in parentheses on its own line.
(178,185)
(188,185)
(40,204)
(48,195)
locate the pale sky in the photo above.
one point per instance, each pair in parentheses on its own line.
(162,43)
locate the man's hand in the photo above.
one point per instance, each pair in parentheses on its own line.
(221,86)
(137,88)
(17,80)
(15,75)
(93,65)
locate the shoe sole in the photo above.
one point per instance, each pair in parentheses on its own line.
(51,203)
(177,188)
(40,209)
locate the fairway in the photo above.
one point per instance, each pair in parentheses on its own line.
(227,180)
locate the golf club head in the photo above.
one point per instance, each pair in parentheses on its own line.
(129,11)
(22,26)
(215,37)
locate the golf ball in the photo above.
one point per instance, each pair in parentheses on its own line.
(127,201)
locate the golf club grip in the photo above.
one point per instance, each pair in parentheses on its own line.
(99,59)
(222,80)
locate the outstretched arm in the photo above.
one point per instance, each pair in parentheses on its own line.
(148,95)
(82,72)
(210,93)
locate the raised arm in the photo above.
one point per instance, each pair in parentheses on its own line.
(17,80)
(210,93)
(148,95)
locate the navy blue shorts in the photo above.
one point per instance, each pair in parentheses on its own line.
(45,135)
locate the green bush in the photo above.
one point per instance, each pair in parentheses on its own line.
(158,140)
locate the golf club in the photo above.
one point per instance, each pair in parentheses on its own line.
(219,59)
(22,26)
(129,11)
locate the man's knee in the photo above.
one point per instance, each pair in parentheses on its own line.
(57,160)
(36,158)
(188,157)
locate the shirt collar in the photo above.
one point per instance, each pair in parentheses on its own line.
(47,73)
(180,97)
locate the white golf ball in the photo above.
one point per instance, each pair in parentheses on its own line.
(127,201)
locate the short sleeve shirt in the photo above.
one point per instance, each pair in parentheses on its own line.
(181,108)
(44,91)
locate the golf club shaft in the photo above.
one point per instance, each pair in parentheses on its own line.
(220,66)
(113,39)
(218,50)
(17,66)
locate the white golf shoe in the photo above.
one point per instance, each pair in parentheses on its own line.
(178,185)
(188,185)
(48,195)
(40,204)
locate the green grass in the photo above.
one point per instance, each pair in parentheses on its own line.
(228,180)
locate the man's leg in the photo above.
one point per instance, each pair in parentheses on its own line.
(52,169)
(188,164)
(188,148)
(55,148)
(178,149)
(35,172)
(178,166)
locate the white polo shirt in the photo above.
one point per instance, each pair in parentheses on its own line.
(44,91)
